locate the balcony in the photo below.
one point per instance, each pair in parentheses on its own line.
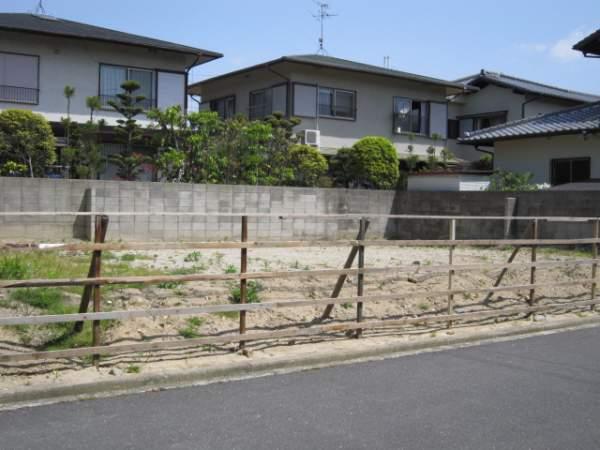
(16,94)
(146,104)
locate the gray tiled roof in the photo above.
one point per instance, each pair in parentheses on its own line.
(589,45)
(569,121)
(32,23)
(527,86)
(342,64)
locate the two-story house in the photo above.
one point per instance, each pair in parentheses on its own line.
(338,101)
(40,55)
(502,98)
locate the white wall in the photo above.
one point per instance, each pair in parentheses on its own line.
(374,102)
(495,98)
(534,155)
(447,182)
(76,63)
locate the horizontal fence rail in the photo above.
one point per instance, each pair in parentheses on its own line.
(94,281)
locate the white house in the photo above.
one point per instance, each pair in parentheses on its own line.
(501,98)
(339,101)
(40,55)
(557,148)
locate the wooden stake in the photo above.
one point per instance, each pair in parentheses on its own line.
(100,232)
(100,229)
(243,281)
(337,289)
(596,233)
(452,237)
(360,284)
(533,260)
(504,271)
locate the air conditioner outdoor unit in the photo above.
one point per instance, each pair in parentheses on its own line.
(312,137)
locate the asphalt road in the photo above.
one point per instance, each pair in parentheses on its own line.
(536,393)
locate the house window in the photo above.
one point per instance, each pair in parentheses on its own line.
(112,77)
(411,116)
(19,78)
(264,102)
(453,129)
(337,103)
(480,121)
(225,107)
(570,170)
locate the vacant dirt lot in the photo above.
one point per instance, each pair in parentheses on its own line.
(308,287)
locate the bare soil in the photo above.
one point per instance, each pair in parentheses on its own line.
(309,287)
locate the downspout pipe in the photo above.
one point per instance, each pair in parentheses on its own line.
(533,99)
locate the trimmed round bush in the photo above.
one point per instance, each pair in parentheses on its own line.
(372,162)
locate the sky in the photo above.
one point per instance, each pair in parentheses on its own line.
(531,39)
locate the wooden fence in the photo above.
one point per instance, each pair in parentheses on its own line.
(358,247)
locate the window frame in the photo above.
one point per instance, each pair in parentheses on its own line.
(586,159)
(419,133)
(154,72)
(478,116)
(224,98)
(287,100)
(334,92)
(38,90)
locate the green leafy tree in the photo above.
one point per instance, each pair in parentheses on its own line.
(13,169)
(129,132)
(372,162)
(308,164)
(27,139)
(171,164)
(504,181)
(93,104)
(129,106)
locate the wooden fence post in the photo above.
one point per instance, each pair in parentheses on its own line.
(595,233)
(452,237)
(360,284)
(342,278)
(243,281)
(100,230)
(535,232)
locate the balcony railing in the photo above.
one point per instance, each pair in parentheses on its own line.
(147,103)
(16,94)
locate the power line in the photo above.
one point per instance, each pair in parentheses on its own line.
(322,15)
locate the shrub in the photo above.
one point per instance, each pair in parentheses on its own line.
(504,181)
(14,268)
(486,162)
(372,162)
(253,287)
(26,138)
(309,165)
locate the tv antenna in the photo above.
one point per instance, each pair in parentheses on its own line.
(322,15)
(39,9)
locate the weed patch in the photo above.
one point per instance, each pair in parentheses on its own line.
(253,290)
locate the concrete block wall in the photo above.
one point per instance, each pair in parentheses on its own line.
(26,194)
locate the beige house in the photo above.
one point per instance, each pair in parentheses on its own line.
(40,55)
(557,148)
(339,101)
(501,98)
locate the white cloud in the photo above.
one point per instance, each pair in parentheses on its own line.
(561,50)
(537,48)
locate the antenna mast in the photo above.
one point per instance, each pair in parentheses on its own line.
(39,9)
(322,15)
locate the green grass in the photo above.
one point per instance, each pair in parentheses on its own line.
(424,306)
(190,331)
(347,305)
(569,252)
(253,290)
(231,269)
(193,257)
(132,368)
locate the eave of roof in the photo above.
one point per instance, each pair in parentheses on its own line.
(49,26)
(589,45)
(577,120)
(337,64)
(527,86)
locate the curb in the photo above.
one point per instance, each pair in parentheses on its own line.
(246,368)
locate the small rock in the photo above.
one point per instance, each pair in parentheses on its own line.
(539,317)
